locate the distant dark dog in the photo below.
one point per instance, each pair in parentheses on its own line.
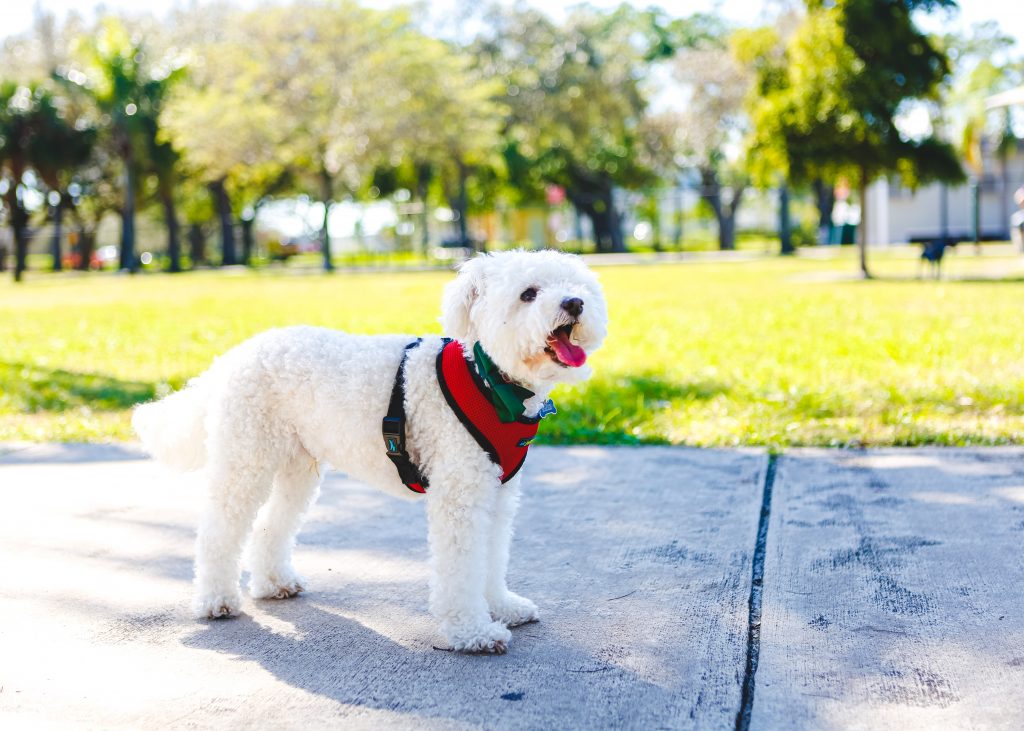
(933,252)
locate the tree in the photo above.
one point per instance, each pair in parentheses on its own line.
(710,126)
(763,51)
(93,194)
(229,132)
(60,148)
(576,103)
(161,159)
(18,126)
(63,137)
(851,65)
(35,138)
(301,93)
(330,67)
(115,78)
(449,127)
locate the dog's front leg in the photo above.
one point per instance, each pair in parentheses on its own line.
(460,513)
(505,606)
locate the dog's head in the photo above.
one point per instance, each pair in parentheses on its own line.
(537,314)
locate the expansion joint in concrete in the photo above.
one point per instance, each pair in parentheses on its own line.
(756,588)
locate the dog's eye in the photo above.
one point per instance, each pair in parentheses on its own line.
(529,294)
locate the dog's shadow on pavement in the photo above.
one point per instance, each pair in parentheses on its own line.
(321,652)
(314,649)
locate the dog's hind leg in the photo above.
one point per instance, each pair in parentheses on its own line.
(239,482)
(296,486)
(460,508)
(505,606)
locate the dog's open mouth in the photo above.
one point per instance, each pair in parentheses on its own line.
(562,350)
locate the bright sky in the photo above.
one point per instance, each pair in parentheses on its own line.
(16,16)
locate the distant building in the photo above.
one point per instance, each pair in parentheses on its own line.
(900,215)
(897,214)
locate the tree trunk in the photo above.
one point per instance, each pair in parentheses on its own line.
(599,229)
(606,223)
(786,247)
(653,206)
(196,245)
(726,233)
(618,242)
(1004,187)
(18,219)
(421,193)
(248,239)
(975,185)
(677,237)
(424,174)
(603,221)
(711,192)
(173,235)
(327,193)
(825,200)
(86,245)
(462,206)
(222,204)
(596,199)
(862,240)
(726,217)
(58,232)
(129,262)
(20,251)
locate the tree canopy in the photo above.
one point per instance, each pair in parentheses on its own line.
(849,68)
(221,109)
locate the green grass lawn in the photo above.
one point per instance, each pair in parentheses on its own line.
(770,352)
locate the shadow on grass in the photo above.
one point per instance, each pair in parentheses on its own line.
(623,409)
(944,279)
(31,389)
(652,388)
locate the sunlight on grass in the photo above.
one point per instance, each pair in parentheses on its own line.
(772,352)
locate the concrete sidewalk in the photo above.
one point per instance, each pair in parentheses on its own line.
(678,588)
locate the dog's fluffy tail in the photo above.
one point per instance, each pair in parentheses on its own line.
(172,429)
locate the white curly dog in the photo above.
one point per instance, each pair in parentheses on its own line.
(266,415)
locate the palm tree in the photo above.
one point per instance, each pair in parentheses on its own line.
(115,81)
(161,157)
(59,148)
(16,130)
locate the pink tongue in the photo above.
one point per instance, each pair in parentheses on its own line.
(572,355)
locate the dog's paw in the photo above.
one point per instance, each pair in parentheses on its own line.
(216,606)
(491,638)
(513,610)
(275,586)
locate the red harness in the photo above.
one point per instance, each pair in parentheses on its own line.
(464,390)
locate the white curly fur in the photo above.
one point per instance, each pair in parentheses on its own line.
(267,415)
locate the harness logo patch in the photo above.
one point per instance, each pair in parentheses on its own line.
(525,442)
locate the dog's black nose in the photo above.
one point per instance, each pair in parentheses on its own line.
(573,305)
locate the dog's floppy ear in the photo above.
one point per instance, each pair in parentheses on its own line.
(460,295)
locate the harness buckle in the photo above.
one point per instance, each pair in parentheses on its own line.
(393,430)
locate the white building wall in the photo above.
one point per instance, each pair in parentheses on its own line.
(919,213)
(878,214)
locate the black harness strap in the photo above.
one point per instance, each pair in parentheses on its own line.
(393,430)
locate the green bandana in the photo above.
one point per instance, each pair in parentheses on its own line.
(507,397)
